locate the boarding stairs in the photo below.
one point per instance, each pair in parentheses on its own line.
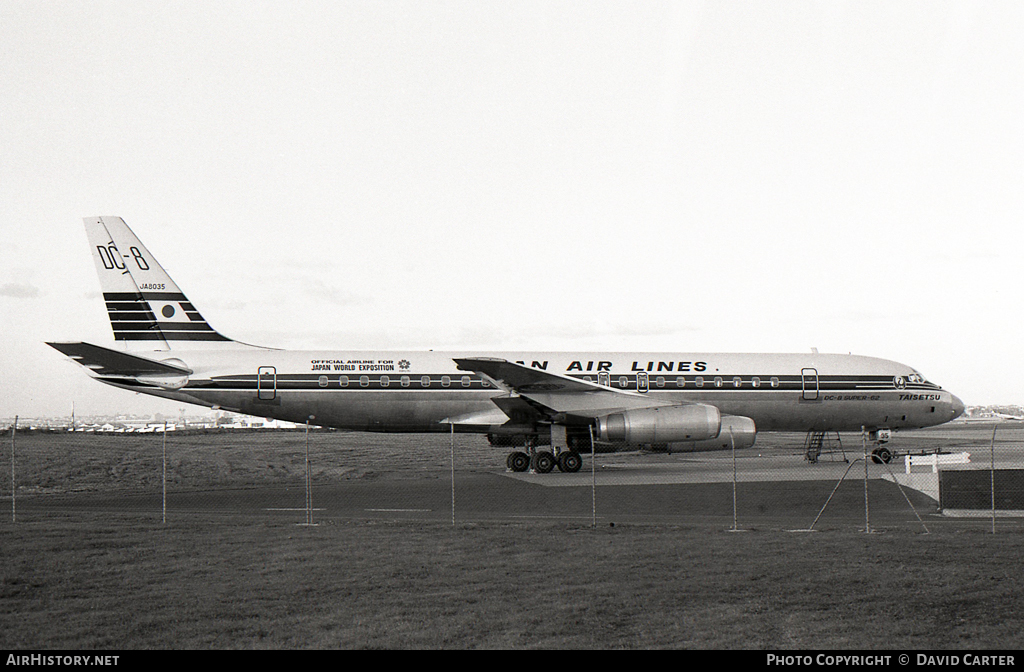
(823,443)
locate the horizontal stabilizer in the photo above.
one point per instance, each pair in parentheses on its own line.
(107,362)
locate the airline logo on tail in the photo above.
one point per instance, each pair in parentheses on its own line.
(145,307)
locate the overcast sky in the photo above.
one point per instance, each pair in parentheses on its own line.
(704,176)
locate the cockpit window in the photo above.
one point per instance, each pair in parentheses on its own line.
(916,377)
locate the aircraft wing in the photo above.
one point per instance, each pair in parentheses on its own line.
(555,393)
(107,362)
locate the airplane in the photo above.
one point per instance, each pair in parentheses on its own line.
(1007,416)
(574,402)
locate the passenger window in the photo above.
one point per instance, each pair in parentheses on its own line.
(623,381)
(680,381)
(775,381)
(343,381)
(385,381)
(699,382)
(425,381)
(755,381)
(718,381)
(405,381)
(323,381)
(446,381)
(466,381)
(364,381)
(736,382)
(660,381)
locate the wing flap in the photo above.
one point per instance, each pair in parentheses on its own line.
(561,394)
(487,418)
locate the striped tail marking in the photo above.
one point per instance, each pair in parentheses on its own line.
(157,316)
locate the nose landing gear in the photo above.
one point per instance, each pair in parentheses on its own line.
(881,454)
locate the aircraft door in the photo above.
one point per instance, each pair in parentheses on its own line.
(266,383)
(809,381)
(643,383)
(604,378)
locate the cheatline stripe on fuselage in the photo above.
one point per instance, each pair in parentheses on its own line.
(411,382)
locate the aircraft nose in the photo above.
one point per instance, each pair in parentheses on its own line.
(958,407)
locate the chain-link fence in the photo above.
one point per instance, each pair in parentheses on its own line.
(961,471)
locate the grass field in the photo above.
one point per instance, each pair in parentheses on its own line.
(121,584)
(82,579)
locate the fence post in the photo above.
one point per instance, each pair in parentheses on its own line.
(452,428)
(992,472)
(14,487)
(593,479)
(867,513)
(309,494)
(163,477)
(735,515)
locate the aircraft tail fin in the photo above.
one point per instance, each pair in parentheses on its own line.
(147,310)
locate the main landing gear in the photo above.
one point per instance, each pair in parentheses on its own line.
(544,461)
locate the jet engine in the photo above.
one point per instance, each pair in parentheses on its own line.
(665,424)
(737,432)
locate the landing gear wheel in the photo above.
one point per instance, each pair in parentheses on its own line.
(569,461)
(881,456)
(518,461)
(545,462)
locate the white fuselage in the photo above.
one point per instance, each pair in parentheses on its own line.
(383,391)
